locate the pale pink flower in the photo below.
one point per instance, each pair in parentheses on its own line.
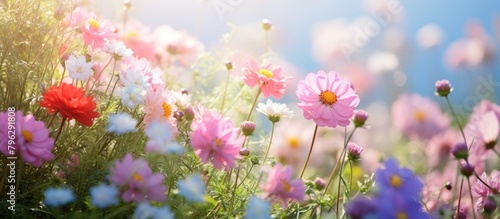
(138,38)
(216,139)
(281,187)
(267,77)
(439,148)
(138,181)
(177,46)
(32,139)
(418,117)
(327,99)
(97,33)
(481,191)
(429,36)
(78,17)
(159,106)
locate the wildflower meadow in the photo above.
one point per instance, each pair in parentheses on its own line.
(105,117)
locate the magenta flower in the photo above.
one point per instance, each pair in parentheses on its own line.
(266,77)
(216,139)
(32,139)
(137,180)
(418,117)
(327,99)
(281,187)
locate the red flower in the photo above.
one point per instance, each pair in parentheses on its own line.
(70,102)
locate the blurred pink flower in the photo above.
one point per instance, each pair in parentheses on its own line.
(138,181)
(438,149)
(159,106)
(327,99)
(138,38)
(418,117)
(97,33)
(481,191)
(32,139)
(175,45)
(429,36)
(267,77)
(361,79)
(78,17)
(281,187)
(476,48)
(216,139)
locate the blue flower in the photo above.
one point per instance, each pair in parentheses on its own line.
(192,188)
(257,209)
(396,205)
(121,123)
(147,211)
(160,139)
(104,195)
(399,180)
(159,132)
(55,197)
(360,207)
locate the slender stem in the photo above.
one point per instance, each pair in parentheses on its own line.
(460,196)
(246,176)
(60,130)
(253,105)
(496,152)
(100,74)
(471,198)
(456,118)
(350,182)
(267,42)
(225,90)
(111,79)
(235,186)
(51,120)
(269,146)
(310,150)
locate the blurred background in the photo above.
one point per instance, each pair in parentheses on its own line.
(386,47)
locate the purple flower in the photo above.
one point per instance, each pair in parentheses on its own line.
(360,207)
(138,180)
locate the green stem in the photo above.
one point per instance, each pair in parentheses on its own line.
(269,146)
(253,105)
(460,196)
(471,198)
(310,151)
(111,79)
(225,90)
(456,117)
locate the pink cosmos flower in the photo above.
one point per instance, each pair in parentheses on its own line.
(216,139)
(481,191)
(281,187)
(78,17)
(177,46)
(439,148)
(137,180)
(418,117)
(266,77)
(32,139)
(97,33)
(160,106)
(327,99)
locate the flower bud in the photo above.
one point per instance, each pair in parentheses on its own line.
(189,113)
(466,169)
(490,204)
(443,88)
(184,91)
(244,152)
(229,65)
(359,118)
(320,183)
(266,25)
(353,151)
(460,151)
(179,115)
(247,128)
(447,185)
(255,160)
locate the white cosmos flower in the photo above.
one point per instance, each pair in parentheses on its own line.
(117,49)
(121,123)
(133,96)
(274,111)
(78,68)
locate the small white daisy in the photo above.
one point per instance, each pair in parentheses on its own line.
(274,111)
(78,68)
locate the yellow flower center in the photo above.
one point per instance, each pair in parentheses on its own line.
(419,115)
(293,142)
(401,215)
(167,109)
(396,181)
(287,186)
(218,142)
(94,25)
(79,69)
(137,177)
(28,137)
(328,97)
(267,73)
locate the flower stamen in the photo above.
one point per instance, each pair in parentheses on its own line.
(167,110)
(28,137)
(267,73)
(328,97)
